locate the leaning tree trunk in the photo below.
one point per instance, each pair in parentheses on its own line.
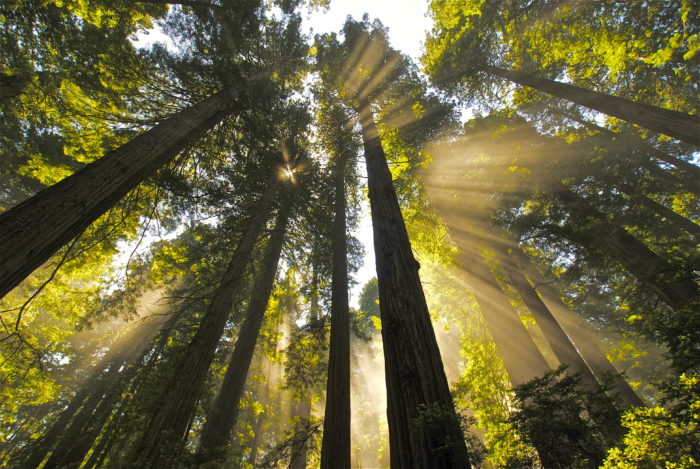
(562,347)
(642,262)
(335,446)
(168,426)
(522,359)
(685,127)
(223,414)
(415,378)
(676,219)
(34,230)
(584,340)
(691,173)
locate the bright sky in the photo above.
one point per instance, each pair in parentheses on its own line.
(406,19)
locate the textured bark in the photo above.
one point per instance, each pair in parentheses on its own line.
(685,127)
(583,339)
(678,220)
(335,447)
(521,357)
(34,230)
(168,427)
(223,414)
(415,378)
(642,262)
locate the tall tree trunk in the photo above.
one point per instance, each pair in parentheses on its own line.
(415,378)
(82,420)
(522,359)
(300,446)
(167,428)
(685,127)
(223,414)
(691,173)
(638,259)
(34,230)
(259,423)
(680,221)
(335,447)
(584,340)
(562,347)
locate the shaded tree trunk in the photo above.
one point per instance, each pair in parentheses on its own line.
(583,339)
(685,127)
(300,446)
(415,378)
(223,414)
(335,447)
(642,262)
(34,230)
(691,173)
(562,347)
(168,426)
(678,220)
(521,357)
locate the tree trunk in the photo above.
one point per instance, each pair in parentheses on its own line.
(685,127)
(168,426)
(674,218)
(562,347)
(335,447)
(642,262)
(584,340)
(223,414)
(80,424)
(33,231)
(522,359)
(300,446)
(415,378)
(691,173)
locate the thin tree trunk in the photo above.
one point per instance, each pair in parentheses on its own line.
(300,446)
(522,359)
(82,419)
(641,261)
(34,230)
(335,447)
(685,127)
(223,414)
(562,347)
(680,221)
(167,428)
(259,423)
(584,340)
(415,377)
(691,173)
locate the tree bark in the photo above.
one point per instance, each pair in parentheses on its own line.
(562,347)
(300,445)
(642,262)
(167,428)
(33,231)
(415,378)
(691,173)
(335,446)
(685,127)
(680,221)
(223,414)
(522,359)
